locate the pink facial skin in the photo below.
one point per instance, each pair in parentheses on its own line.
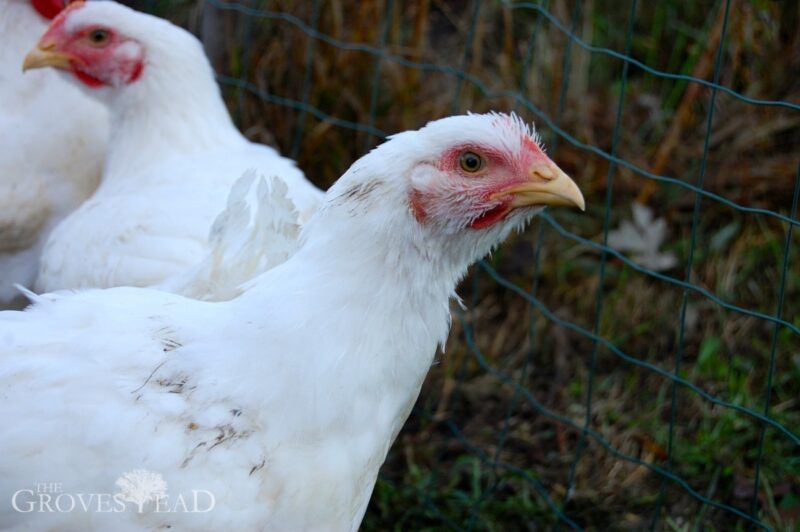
(477,197)
(99,56)
(497,172)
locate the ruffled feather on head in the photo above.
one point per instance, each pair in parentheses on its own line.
(513,124)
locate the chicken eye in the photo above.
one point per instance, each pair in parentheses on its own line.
(470,162)
(98,37)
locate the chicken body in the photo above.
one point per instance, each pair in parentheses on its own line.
(173,155)
(52,145)
(284,401)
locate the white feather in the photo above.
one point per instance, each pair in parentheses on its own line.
(257,231)
(51,153)
(173,157)
(283,401)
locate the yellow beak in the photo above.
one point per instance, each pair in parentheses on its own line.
(548,185)
(45,54)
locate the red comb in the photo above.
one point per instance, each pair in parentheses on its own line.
(65,7)
(49,8)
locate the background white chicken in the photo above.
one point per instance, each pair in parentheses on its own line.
(284,401)
(52,144)
(173,156)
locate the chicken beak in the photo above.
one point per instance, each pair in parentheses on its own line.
(45,54)
(547,185)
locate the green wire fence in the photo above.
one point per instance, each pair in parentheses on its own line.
(582,387)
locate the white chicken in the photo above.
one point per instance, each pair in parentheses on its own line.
(278,406)
(173,156)
(52,145)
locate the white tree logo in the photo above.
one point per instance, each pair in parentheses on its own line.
(141,486)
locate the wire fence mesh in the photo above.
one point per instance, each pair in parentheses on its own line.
(590,383)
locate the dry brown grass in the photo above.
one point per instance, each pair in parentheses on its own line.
(433,478)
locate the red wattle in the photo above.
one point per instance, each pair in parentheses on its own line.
(490,217)
(91,81)
(137,72)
